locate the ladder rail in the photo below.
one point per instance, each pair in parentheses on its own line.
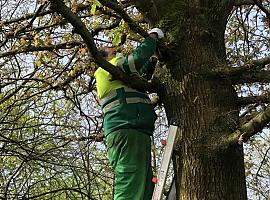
(167,154)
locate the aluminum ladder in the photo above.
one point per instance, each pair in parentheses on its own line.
(167,154)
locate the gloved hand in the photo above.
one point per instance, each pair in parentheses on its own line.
(158,31)
(155,101)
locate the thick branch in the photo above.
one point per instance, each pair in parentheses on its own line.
(149,9)
(243,101)
(254,126)
(59,7)
(225,71)
(252,77)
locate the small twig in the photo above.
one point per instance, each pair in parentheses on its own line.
(264,158)
(96,137)
(132,24)
(262,8)
(248,110)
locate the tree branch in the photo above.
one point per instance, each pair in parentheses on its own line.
(259,4)
(12,93)
(243,2)
(149,9)
(81,7)
(135,82)
(132,24)
(78,190)
(243,101)
(262,162)
(27,25)
(95,137)
(66,45)
(254,126)
(225,71)
(252,77)
(103,27)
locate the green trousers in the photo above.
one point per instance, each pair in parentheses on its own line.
(129,153)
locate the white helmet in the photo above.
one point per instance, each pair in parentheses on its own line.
(158,32)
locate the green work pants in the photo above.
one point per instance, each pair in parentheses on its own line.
(129,153)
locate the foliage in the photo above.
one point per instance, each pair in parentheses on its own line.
(49,109)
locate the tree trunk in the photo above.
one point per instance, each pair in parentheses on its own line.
(206,107)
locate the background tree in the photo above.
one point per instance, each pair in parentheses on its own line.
(213,79)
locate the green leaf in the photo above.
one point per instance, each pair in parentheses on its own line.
(94,7)
(39,62)
(117,38)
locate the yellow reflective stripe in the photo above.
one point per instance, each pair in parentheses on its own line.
(113,93)
(126,89)
(137,100)
(111,105)
(108,96)
(131,64)
(129,100)
(119,63)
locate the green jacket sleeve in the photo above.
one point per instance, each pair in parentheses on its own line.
(138,61)
(148,70)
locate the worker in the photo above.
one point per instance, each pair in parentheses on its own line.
(129,119)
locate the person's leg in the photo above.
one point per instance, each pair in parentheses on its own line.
(149,187)
(129,153)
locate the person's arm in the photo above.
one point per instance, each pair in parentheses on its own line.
(148,68)
(138,61)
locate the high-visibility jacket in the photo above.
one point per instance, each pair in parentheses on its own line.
(125,107)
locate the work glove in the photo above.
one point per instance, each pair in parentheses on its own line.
(158,32)
(155,101)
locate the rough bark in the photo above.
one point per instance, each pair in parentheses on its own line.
(205,106)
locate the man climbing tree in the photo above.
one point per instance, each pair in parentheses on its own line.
(129,119)
(214,78)
(198,80)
